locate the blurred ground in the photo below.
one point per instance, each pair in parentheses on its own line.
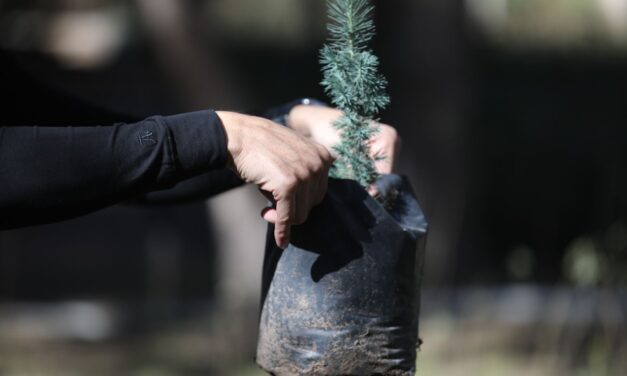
(516,330)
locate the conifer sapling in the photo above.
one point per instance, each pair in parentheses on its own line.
(352,81)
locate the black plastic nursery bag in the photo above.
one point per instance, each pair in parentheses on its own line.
(343,298)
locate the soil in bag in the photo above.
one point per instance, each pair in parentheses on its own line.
(343,297)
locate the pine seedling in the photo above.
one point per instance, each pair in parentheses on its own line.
(354,85)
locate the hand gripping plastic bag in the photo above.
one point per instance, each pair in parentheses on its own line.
(344,297)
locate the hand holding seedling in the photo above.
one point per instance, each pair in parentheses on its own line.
(290,170)
(316,123)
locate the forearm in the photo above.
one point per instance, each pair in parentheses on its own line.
(197,188)
(53,173)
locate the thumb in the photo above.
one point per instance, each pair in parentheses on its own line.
(269,214)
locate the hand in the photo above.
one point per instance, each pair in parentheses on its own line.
(288,169)
(316,123)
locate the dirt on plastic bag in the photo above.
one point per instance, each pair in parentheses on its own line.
(344,297)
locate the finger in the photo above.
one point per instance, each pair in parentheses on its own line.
(381,160)
(384,166)
(373,190)
(284,217)
(329,156)
(323,180)
(316,189)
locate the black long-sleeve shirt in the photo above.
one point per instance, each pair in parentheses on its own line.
(51,172)
(54,173)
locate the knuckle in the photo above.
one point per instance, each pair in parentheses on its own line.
(393,138)
(323,152)
(318,167)
(325,161)
(304,175)
(395,133)
(328,157)
(289,182)
(391,132)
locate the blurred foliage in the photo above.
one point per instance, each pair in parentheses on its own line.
(584,264)
(277,23)
(599,260)
(555,24)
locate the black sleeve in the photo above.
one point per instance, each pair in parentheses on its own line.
(197,188)
(54,173)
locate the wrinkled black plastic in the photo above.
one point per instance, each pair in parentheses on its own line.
(343,298)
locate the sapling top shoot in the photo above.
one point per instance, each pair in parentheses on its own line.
(354,85)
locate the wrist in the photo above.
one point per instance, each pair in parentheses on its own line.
(232,125)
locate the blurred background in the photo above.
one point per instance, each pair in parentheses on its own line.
(513,115)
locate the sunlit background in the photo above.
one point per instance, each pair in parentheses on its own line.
(513,115)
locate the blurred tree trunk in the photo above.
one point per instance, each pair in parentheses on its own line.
(192,63)
(434,68)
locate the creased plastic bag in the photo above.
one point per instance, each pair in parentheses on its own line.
(343,297)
